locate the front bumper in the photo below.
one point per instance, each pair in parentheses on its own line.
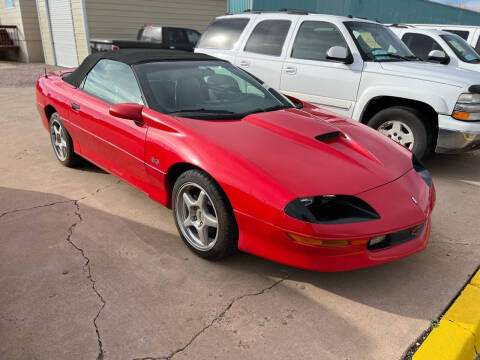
(272,242)
(455,136)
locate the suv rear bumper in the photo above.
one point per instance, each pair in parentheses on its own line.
(456,136)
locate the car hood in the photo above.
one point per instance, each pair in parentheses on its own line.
(283,145)
(432,72)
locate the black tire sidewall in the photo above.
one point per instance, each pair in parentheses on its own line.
(414,120)
(227,240)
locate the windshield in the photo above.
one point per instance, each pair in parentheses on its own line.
(378,43)
(461,48)
(206,90)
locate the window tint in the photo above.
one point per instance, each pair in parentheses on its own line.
(268,37)
(192,36)
(112,82)
(205,89)
(477,47)
(174,36)
(222,34)
(461,48)
(314,38)
(420,44)
(462,33)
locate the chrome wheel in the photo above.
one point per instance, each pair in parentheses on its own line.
(59,139)
(398,131)
(196,216)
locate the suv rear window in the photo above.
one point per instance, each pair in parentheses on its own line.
(222,34)
(268,37)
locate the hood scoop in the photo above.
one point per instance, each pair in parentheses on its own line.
(328,136)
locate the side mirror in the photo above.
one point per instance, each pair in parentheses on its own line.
(438,55)
(339,53)
(129,111)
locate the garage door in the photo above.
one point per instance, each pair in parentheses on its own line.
(61,25)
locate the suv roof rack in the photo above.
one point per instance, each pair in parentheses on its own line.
(284,10)
(402,26)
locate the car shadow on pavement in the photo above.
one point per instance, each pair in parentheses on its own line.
(462,167)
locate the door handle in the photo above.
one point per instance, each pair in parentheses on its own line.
(75,106)
(244,63)
(291,70)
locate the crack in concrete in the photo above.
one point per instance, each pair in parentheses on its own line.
(101,352)
(69,239)
(35,207)
(61,201)
(216,319)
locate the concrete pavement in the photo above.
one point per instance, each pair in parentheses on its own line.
(90,268)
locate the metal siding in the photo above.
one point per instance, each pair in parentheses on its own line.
(121,19)
(385,11)
(63,34)
(235,6)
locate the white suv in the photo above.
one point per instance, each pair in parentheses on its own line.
(439,46)
(357,68)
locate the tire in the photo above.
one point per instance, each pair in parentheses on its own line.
(398,121)
(62,142)
(194,217)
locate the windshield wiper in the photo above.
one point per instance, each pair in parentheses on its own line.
(201,110)
(271,108)
(396,56)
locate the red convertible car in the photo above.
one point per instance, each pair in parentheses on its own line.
(241,165)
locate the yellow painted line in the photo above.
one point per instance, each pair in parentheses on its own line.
(457,336)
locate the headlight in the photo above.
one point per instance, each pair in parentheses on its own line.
(421,170)
(467,107)
(331,209)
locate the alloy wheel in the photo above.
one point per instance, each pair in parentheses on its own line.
(59,139)
(196,216)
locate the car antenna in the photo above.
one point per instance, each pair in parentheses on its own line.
(45,69)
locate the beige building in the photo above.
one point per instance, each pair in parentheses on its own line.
(22,14)
(66,26)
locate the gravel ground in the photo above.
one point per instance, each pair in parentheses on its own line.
(16,75)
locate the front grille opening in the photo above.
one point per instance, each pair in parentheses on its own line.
(398,237)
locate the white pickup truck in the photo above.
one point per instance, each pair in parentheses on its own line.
(357,68)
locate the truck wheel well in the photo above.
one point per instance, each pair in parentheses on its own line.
(49,110)
(383,102)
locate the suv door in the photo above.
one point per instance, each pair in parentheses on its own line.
(115,144)
(421,45)
(308,74)
(264,51)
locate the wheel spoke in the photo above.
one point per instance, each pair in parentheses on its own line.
(407,138)
(202,200)
(187,222)
(210,220)
(396,127)
(188,200)
(203,235)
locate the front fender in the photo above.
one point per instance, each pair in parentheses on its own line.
(437,102)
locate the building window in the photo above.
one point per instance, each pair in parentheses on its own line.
(9,3)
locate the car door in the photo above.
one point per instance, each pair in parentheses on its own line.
(308,74)
(264,51)
(115,144)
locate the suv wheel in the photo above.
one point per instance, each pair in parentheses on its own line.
(406,126)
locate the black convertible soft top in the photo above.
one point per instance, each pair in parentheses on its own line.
(130,57)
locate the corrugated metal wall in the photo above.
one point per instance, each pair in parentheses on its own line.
(386,11)
(238,5)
